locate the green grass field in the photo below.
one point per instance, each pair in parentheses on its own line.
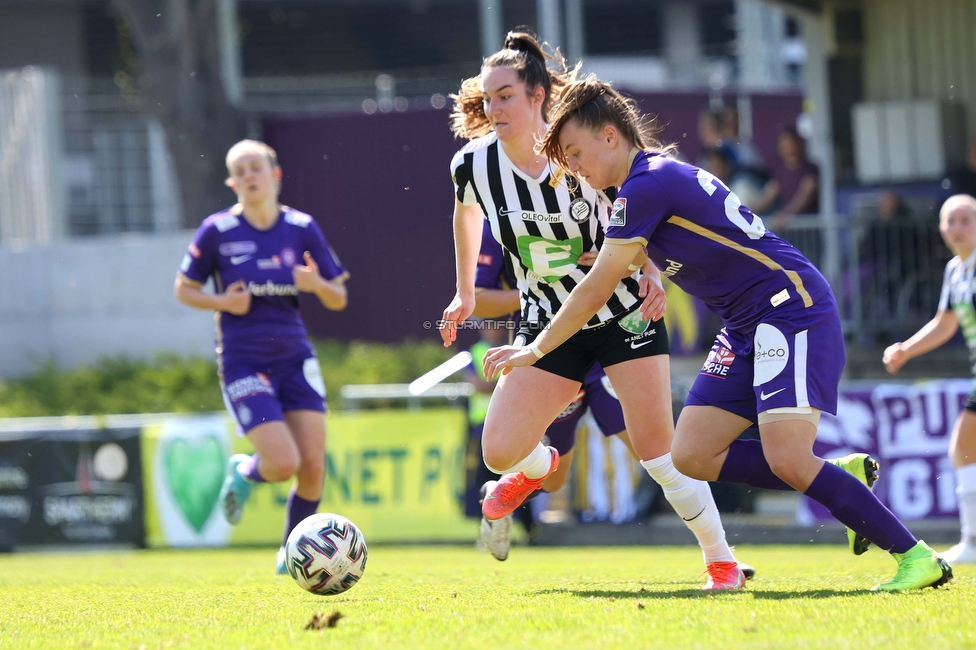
(455,597)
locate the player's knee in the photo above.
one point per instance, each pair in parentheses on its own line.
(686,461)
(280,467)
(312,470)
(497,460)
(784,466)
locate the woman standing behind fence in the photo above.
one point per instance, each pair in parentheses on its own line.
(260,255)
(957,305)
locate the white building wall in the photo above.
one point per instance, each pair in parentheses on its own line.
(76,301)
(919,49)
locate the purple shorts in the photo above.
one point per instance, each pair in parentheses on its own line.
(793,358)
(259,393)
(596,395)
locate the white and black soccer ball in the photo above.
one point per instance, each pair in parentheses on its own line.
(326,554)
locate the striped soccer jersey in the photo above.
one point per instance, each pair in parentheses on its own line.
(544,229)
(958,295)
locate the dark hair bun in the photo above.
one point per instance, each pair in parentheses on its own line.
(524,42)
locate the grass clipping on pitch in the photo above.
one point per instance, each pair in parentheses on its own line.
(456,597)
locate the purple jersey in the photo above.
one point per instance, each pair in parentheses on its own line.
(701,236)
(229,248)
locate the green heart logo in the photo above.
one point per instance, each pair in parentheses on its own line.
(634,322)
(195,472)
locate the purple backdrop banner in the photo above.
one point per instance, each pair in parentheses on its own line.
(380,187)
(907,428)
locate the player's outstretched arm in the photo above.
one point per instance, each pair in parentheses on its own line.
(467,242)
(933,334)
(584,301)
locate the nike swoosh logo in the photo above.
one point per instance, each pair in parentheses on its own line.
(634,344)
(764,396)
(240,259)
(696,516)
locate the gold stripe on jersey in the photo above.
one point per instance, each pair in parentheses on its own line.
(189,282)
(794,277)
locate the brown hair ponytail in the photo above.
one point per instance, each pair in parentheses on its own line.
(595,104)
(523,53)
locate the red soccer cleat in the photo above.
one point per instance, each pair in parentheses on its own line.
(512,490)
(723,576)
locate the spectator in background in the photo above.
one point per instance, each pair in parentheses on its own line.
(710,135)
(794,184)
(744,185)
(746,156)
(963,179)
(887,256)
(888,238)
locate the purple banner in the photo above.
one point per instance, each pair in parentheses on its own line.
(907,428)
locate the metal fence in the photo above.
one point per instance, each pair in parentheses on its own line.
(886,275)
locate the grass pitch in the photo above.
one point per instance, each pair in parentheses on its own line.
(456,597)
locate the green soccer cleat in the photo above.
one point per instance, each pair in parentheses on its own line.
(918,567)
(865,469)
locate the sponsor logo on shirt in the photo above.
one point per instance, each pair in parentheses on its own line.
(269,288)
(227,222)
(233,248)
(484,260)
(274,262)
(298,219)
(528,215)
(256,384)
(580,210)
(673,268)
(240,259)
(618,217)
(718,362)
(185,265)
(288,257)
(194,251)
(771,353)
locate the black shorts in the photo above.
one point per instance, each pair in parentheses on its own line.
(621,339)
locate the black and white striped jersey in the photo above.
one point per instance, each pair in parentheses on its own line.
(544,229)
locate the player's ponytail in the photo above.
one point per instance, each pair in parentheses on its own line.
(594,104)
(535,67)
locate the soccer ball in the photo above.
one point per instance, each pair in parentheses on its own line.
(326,554)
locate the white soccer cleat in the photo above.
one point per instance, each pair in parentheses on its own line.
(961,553)
(496,536)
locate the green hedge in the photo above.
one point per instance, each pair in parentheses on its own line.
(172,384)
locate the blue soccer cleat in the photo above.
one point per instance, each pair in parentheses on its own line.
(281,562)
(235,490)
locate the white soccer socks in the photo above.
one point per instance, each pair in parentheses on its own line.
(693,502)
(966,497)
(535,465)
